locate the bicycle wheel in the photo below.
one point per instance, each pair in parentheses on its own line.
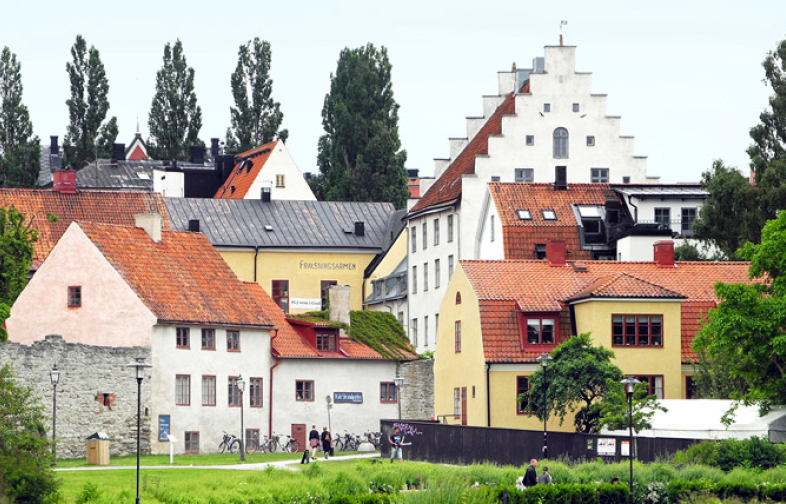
(294,446)
(252,446)
(271,446)
(222,447)
(338,445)
(234,446)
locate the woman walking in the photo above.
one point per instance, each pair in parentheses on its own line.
(313,441)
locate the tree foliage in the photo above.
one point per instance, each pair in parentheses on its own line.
(175,118)
(576,380)
(16,256)
(20,150)
(256,117)
(615,410)
(25,473)
(360,156)
(87,134)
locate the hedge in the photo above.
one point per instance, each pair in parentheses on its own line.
(567,493)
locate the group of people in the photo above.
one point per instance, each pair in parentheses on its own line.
(315,439)
(532,478)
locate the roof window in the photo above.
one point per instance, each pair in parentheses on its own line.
(589,212)
(524,214)
(549,214)
(268,227)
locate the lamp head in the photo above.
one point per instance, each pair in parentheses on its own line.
(139,364)
(54,374)
(544,359)
(399,381)
(630,384)
(241,383)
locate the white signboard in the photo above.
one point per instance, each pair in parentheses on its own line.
(625,448)
(607,447)
(310,304)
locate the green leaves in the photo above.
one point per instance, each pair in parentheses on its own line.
(20,150)
(615,411)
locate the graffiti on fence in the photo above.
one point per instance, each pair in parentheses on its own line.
(407,430)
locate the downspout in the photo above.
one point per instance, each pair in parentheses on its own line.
(270,395)
(256,252)
(488,395)
(635,211)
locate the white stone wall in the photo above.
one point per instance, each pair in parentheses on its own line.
(169,184)
(280,162)
(645,209)
(489,243)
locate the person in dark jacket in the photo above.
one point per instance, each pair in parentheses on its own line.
(313,441)
(326,441)
(531,476)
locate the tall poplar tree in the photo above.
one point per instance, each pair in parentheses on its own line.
(20,150)
(360,156)
(88,135)
(256,117)
(175,118)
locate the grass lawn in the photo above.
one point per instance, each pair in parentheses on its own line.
(186,460)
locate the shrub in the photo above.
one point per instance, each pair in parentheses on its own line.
(744,491)
(776,493)
(730,453)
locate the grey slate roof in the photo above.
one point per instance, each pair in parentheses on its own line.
(645,191)
(295,224)
(126,174)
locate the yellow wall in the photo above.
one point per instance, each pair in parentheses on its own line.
(464,369)
(393,257)
(595,317)
(503,382)
(304,271)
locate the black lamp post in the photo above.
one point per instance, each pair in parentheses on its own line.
(241,386)
(399,381)
(139,365)
(54,376)
(544,360)
(630,385)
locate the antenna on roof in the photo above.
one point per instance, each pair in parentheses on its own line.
(561,24)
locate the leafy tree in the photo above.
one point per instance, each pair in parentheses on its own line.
(577,379)
(87,134)
(712,378)
(360,156)
(16,256)
(614,410)
(256,118)
(20,150)
(175,118)
(25,473)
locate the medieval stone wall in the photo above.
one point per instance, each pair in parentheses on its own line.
(417,392)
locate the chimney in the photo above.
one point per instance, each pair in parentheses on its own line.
(197,154)
(53,148)
(193,225)
(664,254)
(556,253)
(64,181)
(214,148)
(151,223)
(561,178)
(360,228)
(265,194)
(118,152)
(307,176)
(339,303)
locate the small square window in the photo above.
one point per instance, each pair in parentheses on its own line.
(208,339)
(525,175)
(524,214)
(280,181)
(530,140)
(192,442)
(590,140)
(495,179)
(233,341)
(183,337)
(547,107)
(599,175)
(304,390)
(75,296)
(549,215)
(575,107)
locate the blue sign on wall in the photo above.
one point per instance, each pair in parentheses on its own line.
(348,397)
(163,427)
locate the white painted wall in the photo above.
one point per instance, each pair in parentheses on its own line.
(489,243)
(280,162)
(169,184)
(645,209)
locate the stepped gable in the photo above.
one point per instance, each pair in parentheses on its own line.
(247,166)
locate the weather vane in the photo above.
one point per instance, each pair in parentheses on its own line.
(561,24)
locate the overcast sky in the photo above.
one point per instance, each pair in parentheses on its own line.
(685,76)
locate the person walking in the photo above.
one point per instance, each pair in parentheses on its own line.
(326,445)
(395,445)
(545,478)
(313,441)
(531,475)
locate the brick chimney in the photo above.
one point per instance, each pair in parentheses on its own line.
(556,253)
(151,223)
(64,181)
(664,254)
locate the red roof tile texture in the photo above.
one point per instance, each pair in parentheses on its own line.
(623,285)
(247,167)
(103,207)
(181,279)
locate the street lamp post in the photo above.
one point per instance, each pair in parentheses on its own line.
(399,381)
(630,385)
(139,365)
(241,386)
(544,360)
(54,376)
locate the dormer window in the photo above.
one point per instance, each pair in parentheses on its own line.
(549,214)
(75,296)
(326,341)
(539,328)
(524,214)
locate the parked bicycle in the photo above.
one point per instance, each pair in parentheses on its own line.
(256,445)
(349,442)
(290,446)
(374,438)
(230,443)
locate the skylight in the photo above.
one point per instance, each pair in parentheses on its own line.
(268,227)
(549,215)
(589,211)
(524,214)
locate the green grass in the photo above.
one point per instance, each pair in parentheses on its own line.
(186,460)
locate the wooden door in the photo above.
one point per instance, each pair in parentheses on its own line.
(463,405)
(299,433)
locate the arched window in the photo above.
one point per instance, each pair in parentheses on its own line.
(560,143)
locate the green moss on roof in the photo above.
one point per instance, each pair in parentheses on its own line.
(318,317)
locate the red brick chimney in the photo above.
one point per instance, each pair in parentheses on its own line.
(556,253)
(64,181)
(664,254)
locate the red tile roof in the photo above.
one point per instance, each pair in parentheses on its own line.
(623,285)
(247,167)
(103,207)
(181,279)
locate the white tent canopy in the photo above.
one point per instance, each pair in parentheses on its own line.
(701,419)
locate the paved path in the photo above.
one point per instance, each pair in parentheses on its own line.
(261,466)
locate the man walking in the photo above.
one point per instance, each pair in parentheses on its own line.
(531,476)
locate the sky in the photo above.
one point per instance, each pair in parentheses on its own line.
(685,76)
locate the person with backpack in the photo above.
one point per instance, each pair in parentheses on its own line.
(545,478)
(327,448)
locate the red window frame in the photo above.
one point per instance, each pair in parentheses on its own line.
(183,390)
(522,385)
(304,390)
(650,381)
(209,393)
(255,395)
(233,340)
(388,393)
(183,337)
(74,296)
(191,442)
(280,293)
(233,393)
(636,330)
(326,341)
(251,435)
(458,336)
(208,339)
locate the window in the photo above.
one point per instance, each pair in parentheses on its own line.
(589,211)
(252,437)
(401,317)
(450,267)
(183,390)
(425,277)
(522,387)
(590,141)
(549,214)
(324,289)
(233,393)
(525,174)
(255,392)
(576,107)
(591,229)
(414,279)
(414,238)
(560,143)
(663,217)
(425,330)
(530,140)
(387,392)
(637,330)
(450,228)
(540,251)
(425,236)
(436,327)
(304,390)
(279,180)
(182,337)
(691,391)
(75,296)
(281,294)
(192,442)
(599,175)
(524,214)
(547,107)
(456,402)
(233,341)
(492,227)
(495,179)
(458,336)
(540,331)
(458,298)
(654,384)
(436,273)
(208,390)
(688,216)
(326,341)
(626,179)
(436,232)
(208,339)
(413,331)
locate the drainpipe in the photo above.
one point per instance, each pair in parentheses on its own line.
(256,252)
(635,211)
(488,395)
(270,394)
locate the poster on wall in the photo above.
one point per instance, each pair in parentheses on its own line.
(163,427)
(625,448)
(607,447)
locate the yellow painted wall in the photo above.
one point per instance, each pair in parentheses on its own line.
(394,256)
(304,271)
(595,317)
(464,369)
(503,401)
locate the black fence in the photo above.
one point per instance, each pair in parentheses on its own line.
(456,444)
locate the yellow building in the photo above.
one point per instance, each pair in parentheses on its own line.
(497,317)
(293,249)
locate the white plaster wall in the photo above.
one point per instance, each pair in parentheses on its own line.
(253,361)
(169,184)
(111,313)
(646,209)
(280,162)
(489,244)
(332,376)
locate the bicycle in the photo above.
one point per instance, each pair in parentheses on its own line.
(291,446)
(374,438)
(350,442)
(230,443)
(256,445)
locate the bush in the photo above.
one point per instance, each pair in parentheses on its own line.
(730,453)
(567,494)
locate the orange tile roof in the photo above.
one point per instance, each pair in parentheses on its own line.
(103,207)
(623,285)
(247,166)
(181,279)
(509,197)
